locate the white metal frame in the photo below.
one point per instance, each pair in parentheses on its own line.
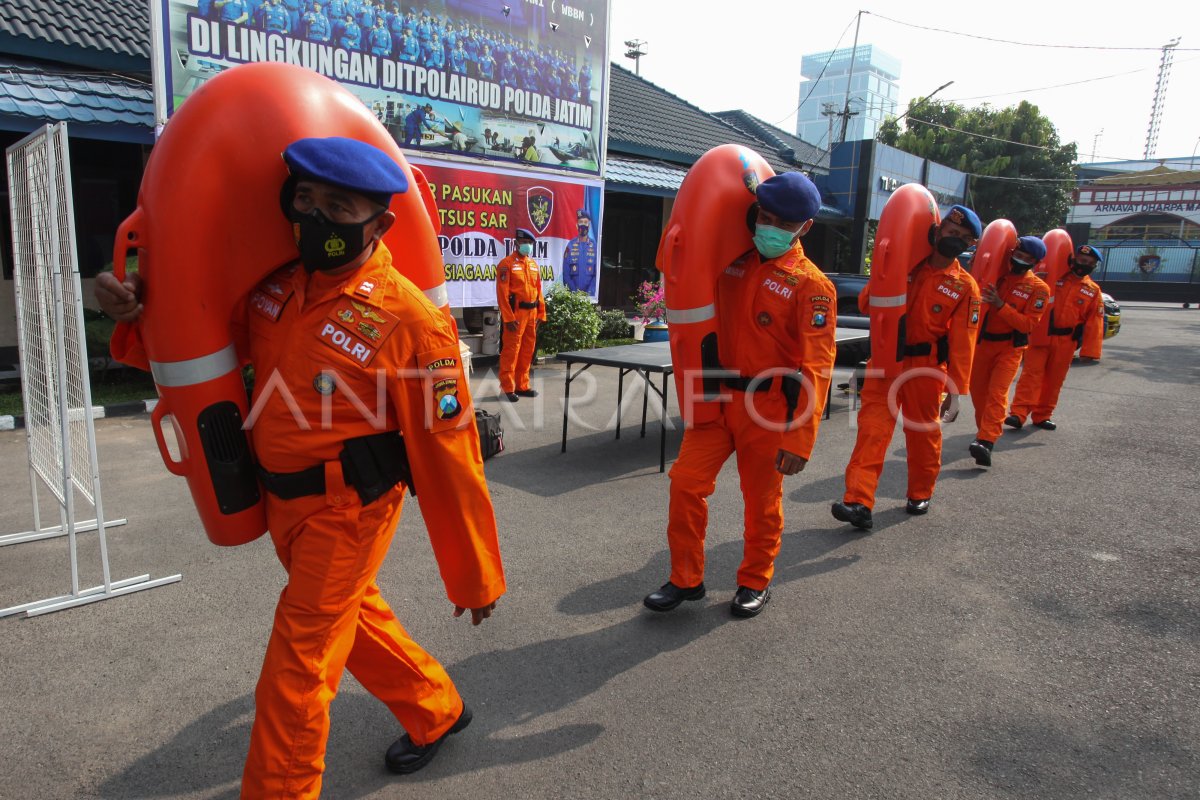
(61,436)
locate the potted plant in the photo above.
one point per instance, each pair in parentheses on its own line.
(651,307)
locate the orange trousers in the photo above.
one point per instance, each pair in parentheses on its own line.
(918,397)
(1045,369)
(704,450)
(516,354)
(331,617)
(992,373)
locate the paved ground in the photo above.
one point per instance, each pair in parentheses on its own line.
(1037,635)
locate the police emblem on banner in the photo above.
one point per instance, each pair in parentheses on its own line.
(540,204)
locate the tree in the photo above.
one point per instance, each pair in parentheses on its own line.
(1018,169)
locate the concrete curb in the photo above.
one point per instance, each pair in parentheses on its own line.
(9,422)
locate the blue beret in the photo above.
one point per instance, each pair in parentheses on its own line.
(522,233)
(583,214)
(791,196)
(961,215)
(1033,246)
(1088,250)
(349,164)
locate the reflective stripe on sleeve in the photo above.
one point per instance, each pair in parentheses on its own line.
(886,301)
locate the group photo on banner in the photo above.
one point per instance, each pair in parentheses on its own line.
(515,82)
(481,210)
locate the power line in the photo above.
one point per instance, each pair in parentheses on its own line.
(1025,44)
(1062,85)
(982,135)
(813,87)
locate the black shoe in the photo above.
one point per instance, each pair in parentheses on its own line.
(511,397)
(749,602)
(1013,421)
(670,596)
(982,450)
(1046,425)
(527,392)
(917,506)
(404,757)
(856,514)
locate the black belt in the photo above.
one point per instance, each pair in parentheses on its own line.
(371,465)
(749,384)
(290,485)
(523,304)
(997,337)
(925,348)
(1061,331)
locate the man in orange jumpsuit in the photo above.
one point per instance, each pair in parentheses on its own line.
(1014,307)
(1076,319)
(776,314)
(522,306)
(322,335)
(941,322)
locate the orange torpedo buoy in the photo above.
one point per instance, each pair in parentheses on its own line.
(707,231)
(995,247)
(207,229)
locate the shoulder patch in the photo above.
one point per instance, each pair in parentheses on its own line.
(973,319)
(444,388)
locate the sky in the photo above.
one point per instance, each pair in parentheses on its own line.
(748,57)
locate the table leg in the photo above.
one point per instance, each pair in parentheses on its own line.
(566,407)
(620,392)
(662,441)
(645,397)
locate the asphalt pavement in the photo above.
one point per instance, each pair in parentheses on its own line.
(1036,635)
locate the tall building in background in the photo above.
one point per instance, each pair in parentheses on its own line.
(873,94)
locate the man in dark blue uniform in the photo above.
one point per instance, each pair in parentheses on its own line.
(579,257)
(421,118)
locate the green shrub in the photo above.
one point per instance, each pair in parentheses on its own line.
(572,322)
(613,325)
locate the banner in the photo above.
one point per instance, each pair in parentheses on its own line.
(481,211)
(522,81)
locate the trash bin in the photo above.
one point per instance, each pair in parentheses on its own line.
(491,333)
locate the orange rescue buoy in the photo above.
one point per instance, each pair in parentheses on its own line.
(995,247)
(207,229)
(707,231)
(902,241)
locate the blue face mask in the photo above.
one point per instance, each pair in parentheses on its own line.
(525,249)
(772,242)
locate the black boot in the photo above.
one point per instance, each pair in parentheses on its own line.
(982,450)
(856,514)
(404,757)
(1013,421)
(670,596)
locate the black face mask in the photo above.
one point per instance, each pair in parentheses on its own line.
(1019,267)
(1081,270)
(950,246)
(326,245)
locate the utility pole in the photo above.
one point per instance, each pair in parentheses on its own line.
(827,111)
(1160,97)
(849,78)
(635,52)
(1096,141)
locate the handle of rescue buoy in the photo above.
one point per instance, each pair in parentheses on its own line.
(156,421)
(671,240)
(127,236)
(427,197)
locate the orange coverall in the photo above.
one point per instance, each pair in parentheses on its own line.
(322,347)
(1003,337)
(519,296)
(773,316)
(1076,319)
(942,305)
